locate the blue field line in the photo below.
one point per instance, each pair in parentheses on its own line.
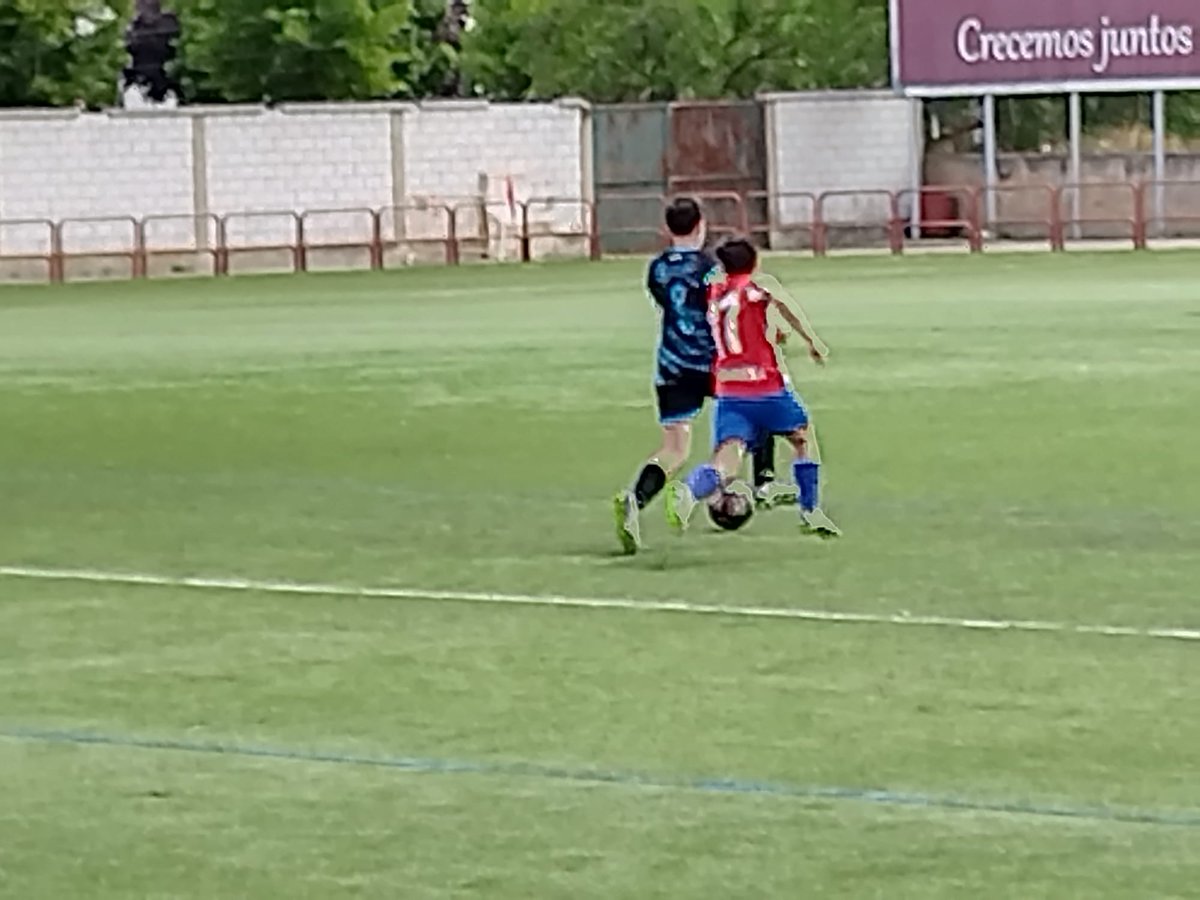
(735,786)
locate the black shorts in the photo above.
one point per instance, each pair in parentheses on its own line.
(682,396)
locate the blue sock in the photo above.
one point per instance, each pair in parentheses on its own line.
(703,481)
(807,475)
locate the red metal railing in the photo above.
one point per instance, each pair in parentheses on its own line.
(415,226)
(487,229)
(958,217)
(870,211)
(341,230)
(102,237)
(372,238)
(1021,210)
(632,221)
(1170,208)
(182,236)
(36,240)
(263,232)
(1088,224)
(786,215)
(579,218)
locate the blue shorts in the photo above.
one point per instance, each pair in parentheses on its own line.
(751,420)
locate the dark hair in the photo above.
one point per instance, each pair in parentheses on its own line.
(737,256)
(683,216)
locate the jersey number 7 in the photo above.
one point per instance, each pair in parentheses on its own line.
(724,320)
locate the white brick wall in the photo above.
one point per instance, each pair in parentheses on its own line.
(448,146)
(69,165)
(294,160)
(841,141)
(65,165)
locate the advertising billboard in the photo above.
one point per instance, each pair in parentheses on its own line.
(972,47)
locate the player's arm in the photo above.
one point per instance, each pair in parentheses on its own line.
(653,289)
(816,347)
(778,332)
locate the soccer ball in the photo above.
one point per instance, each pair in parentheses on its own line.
(731,510)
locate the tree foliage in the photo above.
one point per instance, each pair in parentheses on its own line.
(251,50)
(629,50)
(59,52)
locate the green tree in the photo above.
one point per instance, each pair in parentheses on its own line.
(57,52)
(427,61)
(627,50)
(277,50)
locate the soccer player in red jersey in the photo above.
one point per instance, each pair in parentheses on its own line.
(754,400)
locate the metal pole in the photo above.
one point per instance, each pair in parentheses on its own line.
(1160,160)
(1075,127)
(917,164)
(989,158)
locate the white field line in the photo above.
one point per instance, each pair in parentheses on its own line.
(220,583)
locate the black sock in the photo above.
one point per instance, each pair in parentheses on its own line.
(650,481)
(764,463)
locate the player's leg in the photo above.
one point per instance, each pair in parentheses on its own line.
(768,492)
(665,462)
(733,432)
(678,405)
(703,483)
(806,467)
(763,460)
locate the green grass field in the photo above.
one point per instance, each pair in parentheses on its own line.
(1005,438)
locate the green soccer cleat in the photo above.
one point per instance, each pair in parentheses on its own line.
(629,532)
(813,521)
(680,505)
(774,494)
